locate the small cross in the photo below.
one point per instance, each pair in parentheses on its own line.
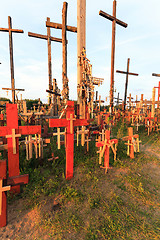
(83,132)
(71,119)
(2,189)
(13,136)
(58,134)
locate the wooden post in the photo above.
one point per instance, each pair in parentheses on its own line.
(81,44)
(114,21)
(64,52)
(10,30)
(153,103)
(49,60)
(126,85)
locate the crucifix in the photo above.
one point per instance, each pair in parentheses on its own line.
(10,30)
(64,27)
(126,85)
(123,24)
(49,39)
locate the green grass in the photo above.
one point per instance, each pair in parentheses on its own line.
(122,204)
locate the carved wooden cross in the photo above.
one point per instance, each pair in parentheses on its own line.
(49,39)
(123,24)
(11,30)
(65,28)
(126,85)
(69,123)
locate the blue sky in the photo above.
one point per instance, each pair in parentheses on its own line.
(140,42)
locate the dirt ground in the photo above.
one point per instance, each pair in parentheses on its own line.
(26,224)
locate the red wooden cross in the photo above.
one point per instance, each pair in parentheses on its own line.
(12,181)
(133,143)
(12,132)
(70,122)
(104,146)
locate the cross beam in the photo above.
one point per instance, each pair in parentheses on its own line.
(64,27)
(123,24)
(49,39)
(126,85)
(11,30)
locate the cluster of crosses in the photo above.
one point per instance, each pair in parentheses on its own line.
(89,119)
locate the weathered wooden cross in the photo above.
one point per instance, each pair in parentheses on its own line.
(126,85)
(49,39)
(10,30)
(65,28)
(12,132)
(123,24)
(69,123)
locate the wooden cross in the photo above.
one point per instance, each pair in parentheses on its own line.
(132,144)
(13,136)
(126,85)
(69,123)
(157,75)
(83,132)
(10,30)
(12,181)
(58,134)
(123,24)
(104,146)
(118,99)
(65,28)
(49,39)
(12,123)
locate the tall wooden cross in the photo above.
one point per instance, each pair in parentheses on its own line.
(123,24)
(69,123)
(49,39)
(10,30)
(12,132)
(65,28)
(126,85)
(157,75)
